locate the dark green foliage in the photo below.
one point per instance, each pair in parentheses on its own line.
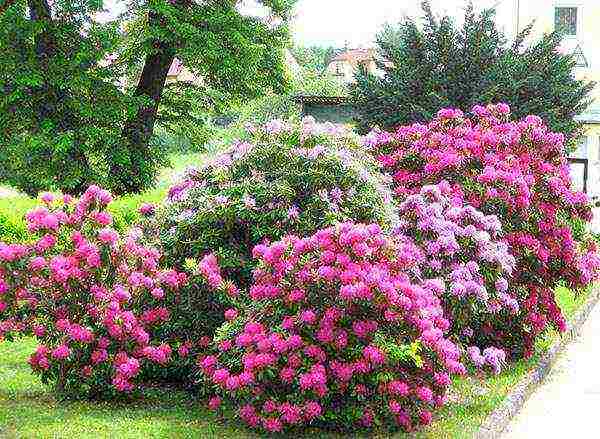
(314,58)
(59,110)
(67,119)
(439,64)
(185,115)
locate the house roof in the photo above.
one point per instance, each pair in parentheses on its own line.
(591,115)
(356,55)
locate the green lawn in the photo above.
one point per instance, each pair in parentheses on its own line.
(29,410)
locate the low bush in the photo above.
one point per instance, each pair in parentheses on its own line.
(463,249)
(338,334)
(519,172)
(91,297)
(123,210)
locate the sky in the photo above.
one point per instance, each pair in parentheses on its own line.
(333,22)
(356,22)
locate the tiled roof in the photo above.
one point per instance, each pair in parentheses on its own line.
(355,55)
(323,100)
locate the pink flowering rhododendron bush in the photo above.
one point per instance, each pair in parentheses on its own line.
(91,297)
(284,178)
(519,172)
(339,333)
(464,252)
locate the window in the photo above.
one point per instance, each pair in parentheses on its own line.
(579,166)
(565,20)
(338,69)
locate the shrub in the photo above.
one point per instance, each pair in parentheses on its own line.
(264,109)
(519,172)
(286,179)
(337,334)
(91,297)
(434,63)
(13,227)
(463,248)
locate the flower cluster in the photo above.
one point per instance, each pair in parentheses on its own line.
(283,179)
(517,171)
(337,333)
(462,247)
(492,357)
(91,297)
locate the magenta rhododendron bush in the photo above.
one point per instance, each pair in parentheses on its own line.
(91,297)
(519,172)
(340,332)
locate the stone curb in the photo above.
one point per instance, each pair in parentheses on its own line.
(499,419)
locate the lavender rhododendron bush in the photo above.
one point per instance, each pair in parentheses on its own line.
(285,178)
(339,333)
(464,251)
(91,297)
(519,172)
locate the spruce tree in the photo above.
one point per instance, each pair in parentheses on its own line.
(434,64)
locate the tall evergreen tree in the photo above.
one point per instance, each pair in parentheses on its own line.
(435,64)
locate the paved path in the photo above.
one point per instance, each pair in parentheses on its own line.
(567,404)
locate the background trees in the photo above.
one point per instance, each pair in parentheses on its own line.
(439,64)
(315,58)
(67,122)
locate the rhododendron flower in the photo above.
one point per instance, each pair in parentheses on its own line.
(214,403)
(321,348)
(108,236)
(231,314)
(147,209)
(90,295)
(61,352)
(515,170)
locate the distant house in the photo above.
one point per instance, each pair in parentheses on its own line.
(346,64)
(180,73)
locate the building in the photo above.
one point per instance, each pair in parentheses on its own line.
(180,73)
(335,109)
(345,65)
(579,20)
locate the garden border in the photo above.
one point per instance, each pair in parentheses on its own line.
(497,422)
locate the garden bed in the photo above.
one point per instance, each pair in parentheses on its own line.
(29,409)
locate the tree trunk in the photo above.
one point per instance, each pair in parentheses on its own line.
(127,166)
(45,49)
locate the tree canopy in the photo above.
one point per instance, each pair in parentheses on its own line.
(66,117)
(436,64)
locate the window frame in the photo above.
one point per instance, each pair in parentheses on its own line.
(577,10)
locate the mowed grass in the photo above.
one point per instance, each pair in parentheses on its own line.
(28,409)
